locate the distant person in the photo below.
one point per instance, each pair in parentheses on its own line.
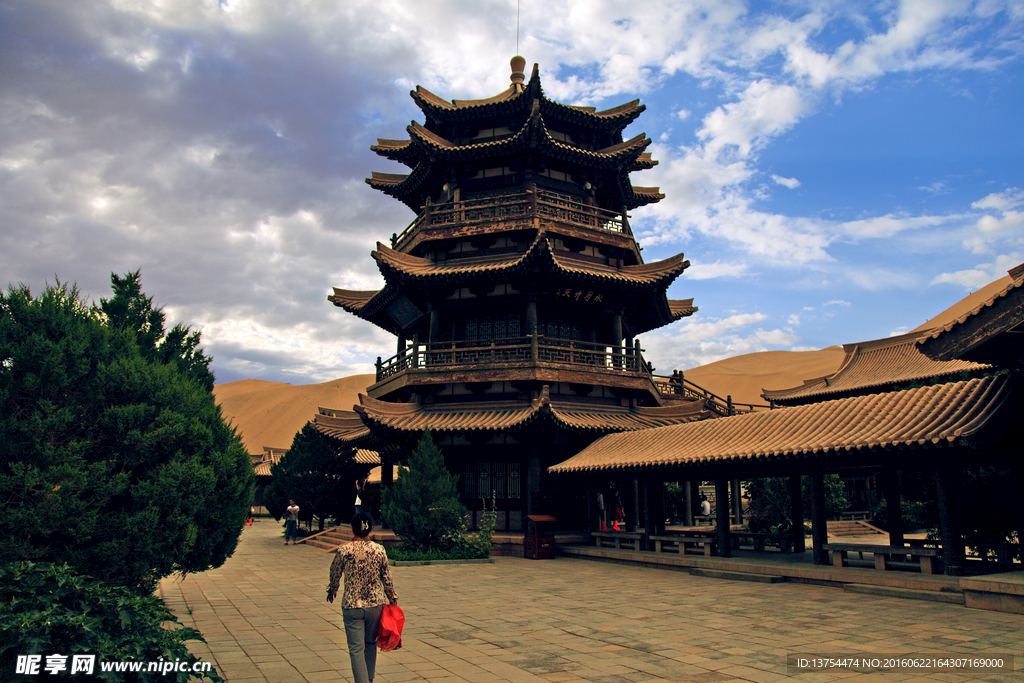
(705,506)
(291,522)
(599,504)
(618,512)
(252,510)
(360,491)
(368,586)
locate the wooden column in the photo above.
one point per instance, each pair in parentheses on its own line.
(401,342)
(654,508)
(617,339)
(687,503)
(722,515)
(949,522)
(695,494)
(531,328)
(1018,473)
(387,478)
(434,335)
(635,522)
(796,513)
(891,489)
(737,502)
(819,528)
(592,510)
(533,474)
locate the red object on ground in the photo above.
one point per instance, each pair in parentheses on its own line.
(389,633)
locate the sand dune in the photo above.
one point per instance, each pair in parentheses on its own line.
(271,413)
(743,377)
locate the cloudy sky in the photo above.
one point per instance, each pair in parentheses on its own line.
(835,171)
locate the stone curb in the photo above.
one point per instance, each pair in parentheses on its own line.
(420,563)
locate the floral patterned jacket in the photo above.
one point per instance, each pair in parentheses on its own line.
(367,573)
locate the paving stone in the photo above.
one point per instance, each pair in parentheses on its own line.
(265,617)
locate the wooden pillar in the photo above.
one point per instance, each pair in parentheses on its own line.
(617,339)
(819,528)
(592,510)
(387,478)
(1018,472)
(722,515)
(531,327)
(695,495)
(737,502)
(890,480)
(654,508)
(635,522)
(949,522)
(401,342)
(687,503)
(796,513)
(434,335)
(533,474)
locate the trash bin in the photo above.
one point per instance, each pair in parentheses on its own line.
(539,543)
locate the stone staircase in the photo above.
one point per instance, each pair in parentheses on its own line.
(852,527)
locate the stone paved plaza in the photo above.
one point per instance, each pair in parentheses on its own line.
(265,617)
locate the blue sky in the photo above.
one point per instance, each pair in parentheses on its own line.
(835,171)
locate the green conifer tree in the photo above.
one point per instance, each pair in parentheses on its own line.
(422,506)
(111,459)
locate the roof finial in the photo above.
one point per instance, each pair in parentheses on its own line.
(518,74)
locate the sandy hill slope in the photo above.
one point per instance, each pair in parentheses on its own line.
(966,305)
(743,377)
(270,413)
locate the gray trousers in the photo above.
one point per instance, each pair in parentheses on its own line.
(361,632)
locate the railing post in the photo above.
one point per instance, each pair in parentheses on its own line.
(492,350)
(415,351)
(638,359)
(534,347)
(572,354)
(728,405)
(379,364)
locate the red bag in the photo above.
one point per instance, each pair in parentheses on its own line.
(389,632)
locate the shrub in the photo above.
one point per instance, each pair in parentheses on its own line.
(478,544)
(51,609)
(422,506)
(770,502)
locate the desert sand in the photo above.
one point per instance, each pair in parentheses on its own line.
(271,413)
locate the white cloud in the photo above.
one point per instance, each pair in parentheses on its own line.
(982,274)
(837,302)
(708,271)
(791,183)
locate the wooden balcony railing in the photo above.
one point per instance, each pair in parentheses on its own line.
(514,351)
(514,207)
(679,386)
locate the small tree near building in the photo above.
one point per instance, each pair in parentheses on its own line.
(422,506)
(317,472)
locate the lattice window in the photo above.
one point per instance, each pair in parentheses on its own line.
(486,476)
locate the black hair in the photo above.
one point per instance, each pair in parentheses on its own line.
(362,524)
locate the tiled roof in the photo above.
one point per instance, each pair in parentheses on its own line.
(540,257)
(343,425)
(873,365)
(513,100)
(461,417)
(680,308)
(366,457)
(352,301)
(936,415)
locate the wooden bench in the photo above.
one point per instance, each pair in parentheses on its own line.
(707,545)
(885,555)
(618,539)
(759,541)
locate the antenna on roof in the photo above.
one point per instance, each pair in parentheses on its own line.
(519,4)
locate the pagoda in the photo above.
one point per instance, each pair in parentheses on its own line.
(516,295)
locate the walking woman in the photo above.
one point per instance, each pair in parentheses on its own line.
(368,586)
